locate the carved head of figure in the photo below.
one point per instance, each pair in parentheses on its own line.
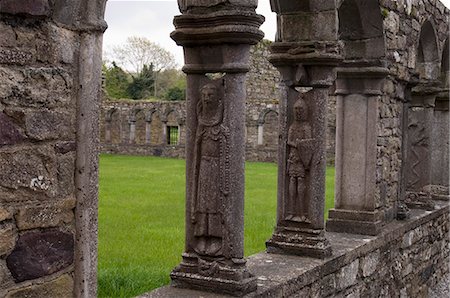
(301,109)
(210,96)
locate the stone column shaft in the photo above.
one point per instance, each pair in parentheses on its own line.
(260,134)
(107,132)
(216,47)
(356,209)
(132,132)
(418,144)
(148,132)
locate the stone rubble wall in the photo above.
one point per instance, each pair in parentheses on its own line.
(38,126)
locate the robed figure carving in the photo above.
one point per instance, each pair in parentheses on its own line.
(301,150)
(211,174)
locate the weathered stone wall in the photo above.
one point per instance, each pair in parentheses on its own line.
(42,57)
(403,23)
(406,260)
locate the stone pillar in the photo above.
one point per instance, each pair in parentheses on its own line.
(440,148)
(418,144)
(358,92)
(164,131)
(108,131)
(216,36)
(132,131)
(306,59)
(148,132)
(260,133)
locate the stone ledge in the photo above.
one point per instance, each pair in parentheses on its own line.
(284,275)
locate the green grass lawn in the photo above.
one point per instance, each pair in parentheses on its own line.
(141,219)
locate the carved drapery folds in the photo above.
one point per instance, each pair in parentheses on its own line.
(306,59)
(216,36)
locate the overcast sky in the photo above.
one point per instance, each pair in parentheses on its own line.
(153,19)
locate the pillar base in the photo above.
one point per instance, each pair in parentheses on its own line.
(419,200)
(439,192)
(217,275)
(354,222)
(301,242)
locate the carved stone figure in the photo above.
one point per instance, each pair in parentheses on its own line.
(419,149)
(301,150)
(210,183)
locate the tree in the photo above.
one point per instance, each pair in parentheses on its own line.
(143,84)
(140,51)
(116,81)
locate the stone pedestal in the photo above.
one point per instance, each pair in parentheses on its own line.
(418,144)
(216,47)
(358,92)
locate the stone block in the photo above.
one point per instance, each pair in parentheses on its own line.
(65,176)
(8,236)
(5,214)
(48,125)
(37,8)
(35,87)
(62,287)
(10,133)
(40,253)
(46,216)
(15,56)
(6,279)
(369,263)
(347,275)
(7,35)
(22,170)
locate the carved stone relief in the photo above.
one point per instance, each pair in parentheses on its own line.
(301,150)
(211,182)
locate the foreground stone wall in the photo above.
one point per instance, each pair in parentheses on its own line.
(47,193)
(406,260)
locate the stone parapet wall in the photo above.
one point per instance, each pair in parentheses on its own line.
(406,260)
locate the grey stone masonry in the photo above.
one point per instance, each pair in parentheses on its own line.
(216,46)
(306,59)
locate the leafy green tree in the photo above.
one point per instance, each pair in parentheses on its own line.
(116,81)
(143,83)
(175,93)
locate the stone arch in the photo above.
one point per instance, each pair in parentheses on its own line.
(427,57)
(113,125)
(445,70)
(172,123)
(138,123)
(361,29)
(270,129)
(156,127)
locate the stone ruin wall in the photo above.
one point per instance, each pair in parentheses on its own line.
(402,26)
(50,61)
(262,111)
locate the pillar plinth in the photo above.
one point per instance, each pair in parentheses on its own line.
(216,47)
(358,92)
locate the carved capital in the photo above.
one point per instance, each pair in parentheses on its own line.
(225,26)
(360,80)
(307,53)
